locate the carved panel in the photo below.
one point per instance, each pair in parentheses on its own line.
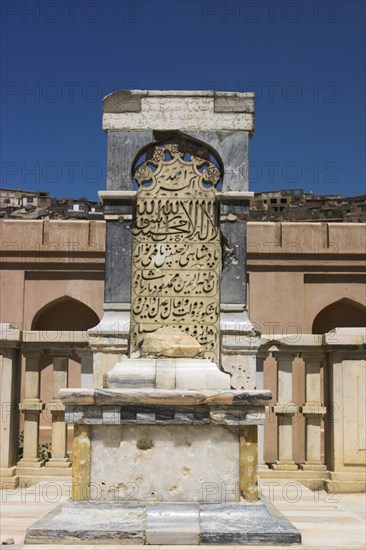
(176,244)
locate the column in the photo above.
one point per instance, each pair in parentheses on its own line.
(9,430)
(59,457)
(285,409)
(260,385)
(313,409)
(31,407)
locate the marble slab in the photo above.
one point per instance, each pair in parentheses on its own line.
(166,523)
(255,523)
(170,523)
(130,414)
(90,522)
(164,397)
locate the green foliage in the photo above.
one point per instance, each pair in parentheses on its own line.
(44,450)
(20,445)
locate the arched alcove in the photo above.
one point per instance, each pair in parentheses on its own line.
(65,313)
(342,313)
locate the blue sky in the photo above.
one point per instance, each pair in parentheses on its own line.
(305,60)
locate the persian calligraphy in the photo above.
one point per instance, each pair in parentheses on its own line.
(152,255)
(176,245)
(176,219)
(173,283)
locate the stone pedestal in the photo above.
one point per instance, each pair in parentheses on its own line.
(166,443)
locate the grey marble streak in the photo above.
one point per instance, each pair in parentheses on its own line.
(232,147)
(107,414)
(245,524)
(233,281)
(161,397)
(118,254)
(181,397)
(84,522)
(123,146)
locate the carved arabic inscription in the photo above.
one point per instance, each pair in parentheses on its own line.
(176,245)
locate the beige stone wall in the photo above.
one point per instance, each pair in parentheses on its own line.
(45,261)
(295,269)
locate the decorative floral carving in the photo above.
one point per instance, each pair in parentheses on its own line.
(178,164)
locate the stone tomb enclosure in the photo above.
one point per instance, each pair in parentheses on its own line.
(173,418)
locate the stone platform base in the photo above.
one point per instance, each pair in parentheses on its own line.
(163,523)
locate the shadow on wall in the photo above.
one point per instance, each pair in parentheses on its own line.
(343,313)
(65,313)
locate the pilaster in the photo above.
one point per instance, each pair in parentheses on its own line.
(284,409)
(59,457)
(313,410)
(32,407)
(10,395)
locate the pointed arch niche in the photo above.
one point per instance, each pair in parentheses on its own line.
(65,313)
(342,313)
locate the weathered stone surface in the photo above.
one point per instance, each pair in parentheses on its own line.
(163,373)
(233,278)
(173,523)
(245,524)
(87,522)
(169,342)
(118,262)
(164,463)
(232,146)
(241,367)
(122,149)
(185,110)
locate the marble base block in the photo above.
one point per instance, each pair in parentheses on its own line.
(165,463)
(180,373)
(173,523)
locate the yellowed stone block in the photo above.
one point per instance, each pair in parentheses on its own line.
(249,462)
(81,463)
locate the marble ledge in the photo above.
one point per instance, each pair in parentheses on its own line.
(117,195)
(234,195)
(164,397)
(137,101)
(253,415)
(131,195)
